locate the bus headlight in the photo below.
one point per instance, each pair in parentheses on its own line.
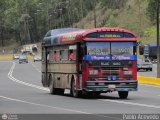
(127,72)
(93,72)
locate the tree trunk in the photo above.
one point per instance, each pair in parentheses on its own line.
(2,36)
(18,37)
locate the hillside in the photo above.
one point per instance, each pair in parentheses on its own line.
(131,16)
(28,21)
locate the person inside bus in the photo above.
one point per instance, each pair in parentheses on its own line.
(71,55)
(54,56)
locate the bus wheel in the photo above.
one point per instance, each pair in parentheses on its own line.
(60,91)
(74,92)
(51,87)
(123,94)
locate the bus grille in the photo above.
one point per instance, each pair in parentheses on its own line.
(111,74)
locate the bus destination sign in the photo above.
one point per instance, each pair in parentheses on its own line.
(111,34)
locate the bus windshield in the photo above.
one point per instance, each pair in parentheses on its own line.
(115,50)
(122,50)
(98,48)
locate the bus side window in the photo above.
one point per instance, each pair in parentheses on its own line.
(50,56)
(72,54)
(55,56)
(58,55)
(64,54)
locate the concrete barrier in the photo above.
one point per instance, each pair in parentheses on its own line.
(10,57)
(6,57)
(148,80)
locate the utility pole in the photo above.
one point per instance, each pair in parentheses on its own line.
(158,47)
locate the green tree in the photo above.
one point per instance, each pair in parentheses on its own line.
(151,10)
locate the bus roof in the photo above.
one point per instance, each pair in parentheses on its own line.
(71,35)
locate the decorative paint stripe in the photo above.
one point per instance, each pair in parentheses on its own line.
(52,40)
(105,57)
(59,40)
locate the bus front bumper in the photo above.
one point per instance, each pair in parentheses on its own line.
(106,86)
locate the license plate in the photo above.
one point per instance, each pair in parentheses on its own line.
(111,86)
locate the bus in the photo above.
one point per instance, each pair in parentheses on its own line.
(89,61)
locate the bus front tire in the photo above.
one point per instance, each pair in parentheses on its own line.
(123,94)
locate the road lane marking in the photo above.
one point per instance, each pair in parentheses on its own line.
(10,76)
(34,66)
(59,108)
(131,103)
(149,85)
(42,105)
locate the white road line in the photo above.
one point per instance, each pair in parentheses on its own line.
(58,108)
(131,103)
(42,105)
(150,85)
(34,66)
(10,76)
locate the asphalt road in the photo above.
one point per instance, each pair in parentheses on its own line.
(152,73)
(21,92)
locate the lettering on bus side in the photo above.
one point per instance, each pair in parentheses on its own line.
(69,37)
(113,34)
(109,36)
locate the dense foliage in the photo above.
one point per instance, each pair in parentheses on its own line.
(27,21)
(151,10)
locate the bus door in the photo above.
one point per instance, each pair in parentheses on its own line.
(45,67)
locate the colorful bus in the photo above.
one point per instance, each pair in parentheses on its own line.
(89,61)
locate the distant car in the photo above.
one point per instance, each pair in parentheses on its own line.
(37,58)
(15,56)
(144,65)
(23,59)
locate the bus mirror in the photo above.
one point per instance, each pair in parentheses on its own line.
(141,50)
